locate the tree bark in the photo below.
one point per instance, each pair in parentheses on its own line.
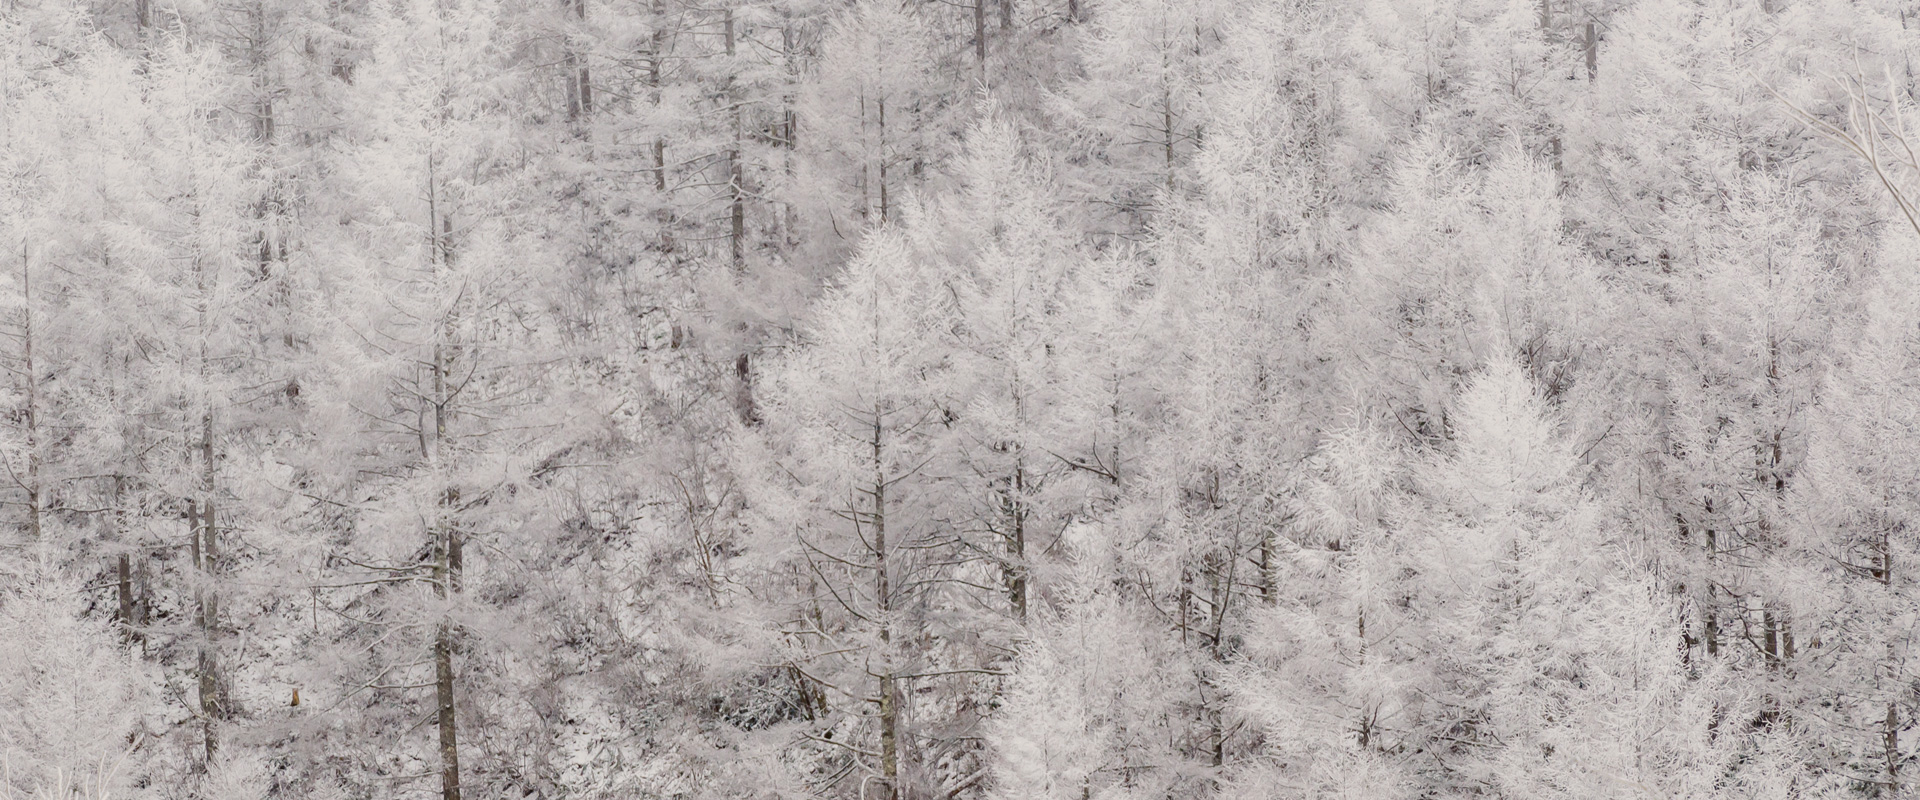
(880,157)
(30,377)
(743,390)
(574,63)
(1890,749)
(585,75)
(883,593)
(1269,570)
(213,703)
(1017,544)
(655,55)
(980,39)
(200,523)
(1710,610)
(1593,52)
(789,121)
(123,575)
(736,188)
(443,534)
(203,522)
(448,567)
(1166,130)
(258,49)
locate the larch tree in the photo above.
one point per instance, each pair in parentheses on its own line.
(865,119)
(429,420)
(1129,129)
(1849,540)
(852,417)
(1092,708)
(983,401)
(77,705)
(1330,669)
(1009,271)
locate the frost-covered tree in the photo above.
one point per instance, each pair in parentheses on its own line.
(1849,544)
(865,119)
(853,415)
(1129,129)
(430,422)
(1009,271)
(1401,398)
(1093,707)
(77,708)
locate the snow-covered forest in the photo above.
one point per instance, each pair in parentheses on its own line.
(959,399)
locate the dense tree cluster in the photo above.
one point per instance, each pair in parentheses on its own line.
(979,400)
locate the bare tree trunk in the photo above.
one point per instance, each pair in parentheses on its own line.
(447,568)
(1216,732)
(1365,726)
(1593,52)
(570,66)
(980,39)
(200,523)
(123,574)
(789,120)
(1219,593)
(789,56)
(1166,130)
(880,104)
(1185,605)
(213,704)
(142,588)
(889,697)
(31,379)
(1890,749)
(447,582)
(865,178)
(1269,570)
(586,70)
(574,63)
(443,534)
(204,523)
(263,121)
(655,55)
(743,389)
(1017,544)
(1711,610)
(736,187)
(122,562)
(1770,636)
